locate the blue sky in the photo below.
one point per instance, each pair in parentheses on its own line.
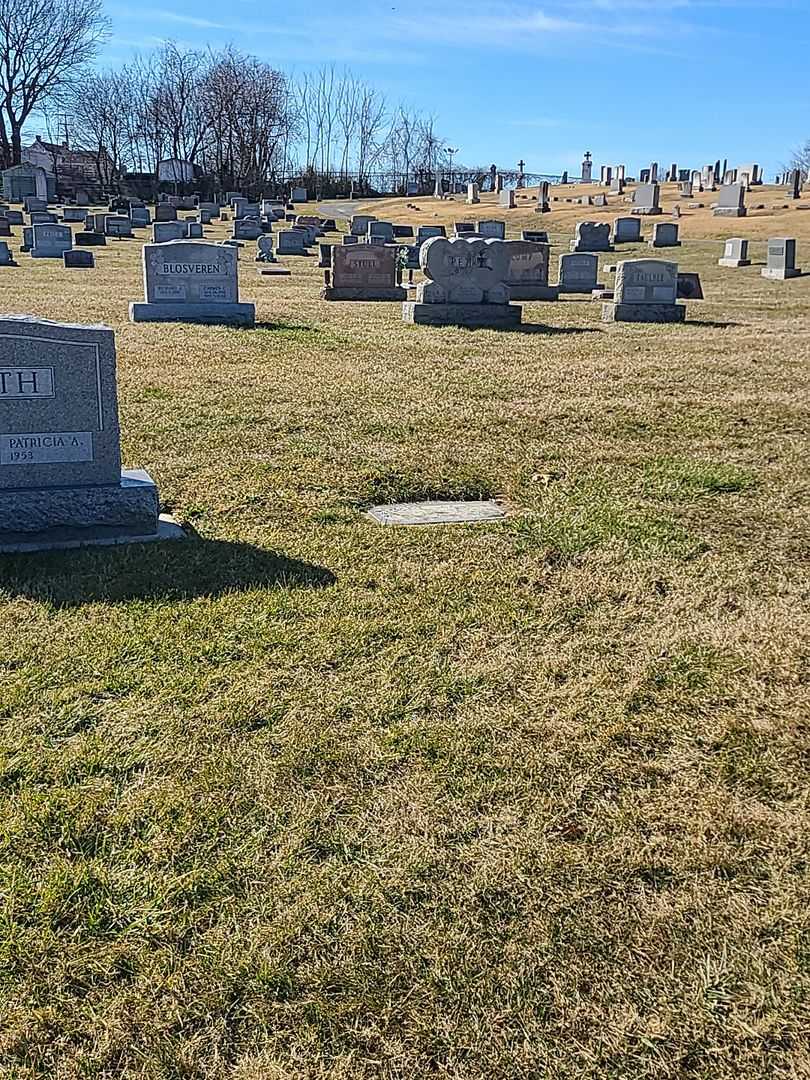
(630,80)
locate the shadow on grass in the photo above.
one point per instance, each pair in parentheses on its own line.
(711,325)
(287,328)
(177,570)
(545,329)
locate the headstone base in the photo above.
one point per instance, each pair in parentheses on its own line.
(734,263)
(575,249)
(728,211)
(653,313)
(330,293)
(275,271)
(646,211)
(491,315)
(207,314)
(88,515)
(534,292)
(652,244)
(780,275)
(579,290)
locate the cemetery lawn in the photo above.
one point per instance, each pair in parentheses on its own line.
(308,798)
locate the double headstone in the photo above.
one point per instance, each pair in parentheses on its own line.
(466,285)
(188,281)
(61,483)
(362,272)
(50,241)
(646,290)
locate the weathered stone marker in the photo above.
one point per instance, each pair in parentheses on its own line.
(736,253)
(191,281)
(646,200)
(61,483)
(645,291)
(527,271)
(592,236)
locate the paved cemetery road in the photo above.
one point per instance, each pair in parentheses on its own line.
(340,209)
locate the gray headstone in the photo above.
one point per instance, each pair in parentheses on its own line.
(578,273)
(592,236)
(165,231)
(291,242)
(61,483)
(665,234)
(781,259)
(117,225)
(731,202)
(626,230)
(491,229)
(427,232)
(50,241)
(246,229)
(358,226)
(527,271)
(646,290)
(646,199)
(79,260)
(736,253)
(191,281)
(466,285)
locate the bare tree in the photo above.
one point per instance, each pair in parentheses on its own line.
(44,47)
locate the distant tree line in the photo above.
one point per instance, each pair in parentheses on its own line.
(240,121)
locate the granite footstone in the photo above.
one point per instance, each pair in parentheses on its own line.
(437,512)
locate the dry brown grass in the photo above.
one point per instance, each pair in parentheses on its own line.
(307,798)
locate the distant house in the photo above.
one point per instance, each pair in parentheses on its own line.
(177,171)
(70,168)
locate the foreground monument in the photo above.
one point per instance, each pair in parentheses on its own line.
(466,286)
(189,281)
(61,482)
